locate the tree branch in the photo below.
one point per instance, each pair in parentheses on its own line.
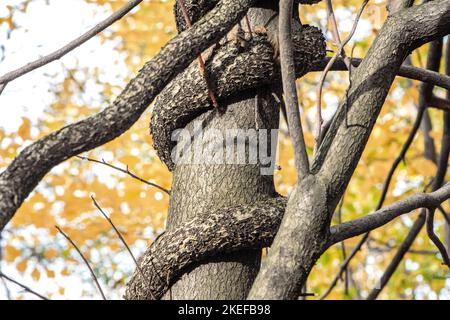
(439,103)
(225,230)
(27,169)
(94,277)
(126,171)
(383,216)
(27,289)
(290,89)
(402,250)
(433,62)
(344,144)
(434,238)
(406,71)
(70,46)
(335,32)
(429,76)
(328,67)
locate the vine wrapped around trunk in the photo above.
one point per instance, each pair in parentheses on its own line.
(231,69)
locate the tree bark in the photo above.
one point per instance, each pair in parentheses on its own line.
(341,150)
(200,188)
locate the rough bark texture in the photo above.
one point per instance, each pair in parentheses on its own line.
(222,231)
(232,70)
(199,189)
(253,226)
(240,75)
(297,246)
(18,180)
(343,145)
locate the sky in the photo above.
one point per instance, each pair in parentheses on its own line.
(41,30)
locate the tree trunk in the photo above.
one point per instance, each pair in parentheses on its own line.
(200,188)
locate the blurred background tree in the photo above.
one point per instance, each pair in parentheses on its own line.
(83,82)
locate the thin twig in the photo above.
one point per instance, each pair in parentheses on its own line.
(126,171)
(434,58)
(405,71)
(27,289)
(71,45)
(338,52)
(5,285)
(432,235)
(85,261)
(201,62)
(7,291)
(335,32)
(122,239)
(403,249)
(2,87)
(444,214)
(290,89)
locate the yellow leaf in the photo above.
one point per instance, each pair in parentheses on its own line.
(422,166)
(50,274)
(36,275)
(65,272)
(61,291)
(24,130)
(22,266)
(11,253)
(50,253)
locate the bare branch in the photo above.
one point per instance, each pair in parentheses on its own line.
(122,239)
(339,51)
(435,238)
(290,89)
(94,277)
(381,200)
(71,45)
(126,171)
(434,58)
(433,64)
(406,71)
(381,217)
(27,289)
(201,62)
(33,163)
(345,265)
(402,250)
(439,103)
(444,215)
(335,32)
